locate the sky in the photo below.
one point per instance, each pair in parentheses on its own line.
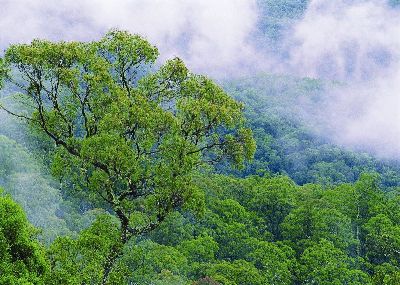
(211,36)
(356,42)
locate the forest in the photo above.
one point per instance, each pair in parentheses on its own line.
(116,169)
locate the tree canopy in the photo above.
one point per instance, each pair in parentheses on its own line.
(131,142)
(22,258)
(128,138)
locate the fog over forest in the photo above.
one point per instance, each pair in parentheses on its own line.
(200,142)
(354,42)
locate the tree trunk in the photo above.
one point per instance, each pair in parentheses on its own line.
(115,253)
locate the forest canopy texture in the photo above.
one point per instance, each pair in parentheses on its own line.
(127,137)
(145,173)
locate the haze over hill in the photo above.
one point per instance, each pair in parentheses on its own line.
(137,171)
(355,42)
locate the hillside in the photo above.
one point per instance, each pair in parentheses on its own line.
(121,165)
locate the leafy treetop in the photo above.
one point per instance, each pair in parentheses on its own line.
(126,136)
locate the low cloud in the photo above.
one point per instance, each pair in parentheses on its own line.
(357,42)
(346,40)
(211,36)
(353,41)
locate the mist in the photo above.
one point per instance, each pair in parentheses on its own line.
(25,175)
(354,42)
(357,43)
(25,178)
(212,37)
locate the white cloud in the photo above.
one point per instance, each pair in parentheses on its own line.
(346,40)
(357,42)
(211,36)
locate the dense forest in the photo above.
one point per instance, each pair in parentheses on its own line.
(115,169)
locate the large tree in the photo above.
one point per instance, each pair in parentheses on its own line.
(126,135)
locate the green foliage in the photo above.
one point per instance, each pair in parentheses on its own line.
(206,281)
(275,261)
(26,181)
(322,240)
(149,262)
(235,273)
(386,274)
(175,229)
(273,200)
(128,140)
(382,240)
(281,112)
(22,258)
(78,261)
(312,221)
(200,249)
(324,264)
(130,145)
(3,72)
(123,136)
